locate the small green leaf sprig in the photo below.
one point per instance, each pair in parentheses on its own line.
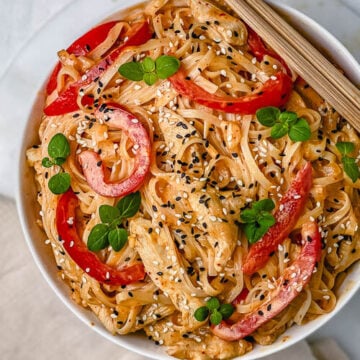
(149,70)
(58,150)
(217,311)
(349,163)
(258,219)
(110,230)
(283,123)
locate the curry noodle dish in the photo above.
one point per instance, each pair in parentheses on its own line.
(191,185)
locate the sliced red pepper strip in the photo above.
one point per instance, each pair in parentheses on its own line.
(272,93)
(66,102)
(119,118)
(286,216)
(289,285)
(259,49)
(85,259)
(81,46)
(242,296)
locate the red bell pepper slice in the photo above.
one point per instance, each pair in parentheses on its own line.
(274,92)
(78,251)
(242,296)
(119,118)
(289,285)
(66,102)
(286,216)
(259,49)
(81,46)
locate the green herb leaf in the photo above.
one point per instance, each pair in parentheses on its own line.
(345,147)
(266,219)
(166,66)
(59,183)
(279,130)
(132,71)
(148,65)
(98,237)
(59,161)
(226,310)
(213,304)
(288,117)
(249,215)
(268,116)
(108,213)
(264,205)
(117,238)
(150,78)
(129,205)
(300,131)
(201,313)
(258,219)
(255,231)
(351,168)
(216,317)
(46,162)
(59,146)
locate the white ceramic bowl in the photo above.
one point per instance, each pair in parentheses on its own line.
(46,43)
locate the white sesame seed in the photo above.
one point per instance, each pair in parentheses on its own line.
(87,270)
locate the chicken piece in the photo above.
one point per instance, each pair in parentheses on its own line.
(231,29)
(221,235)
(166,267)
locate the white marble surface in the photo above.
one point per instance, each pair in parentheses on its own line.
(22,336)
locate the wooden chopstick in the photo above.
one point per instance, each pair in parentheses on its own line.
(307,49)
(332,85)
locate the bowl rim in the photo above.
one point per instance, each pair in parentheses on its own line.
(259,351)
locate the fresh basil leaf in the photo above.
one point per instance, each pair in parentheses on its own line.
(226,310)
(166,66)
(266,219)
(59,161)
(213,304)
(216,317)
(129,205)
(268,116)
(117,238)
(279,130)
(300,131)
(201,313)
(264,205)
(98,237)
(148,65)
(345,147)
(248,215)
(255,231)
(59,183)
(351,168)
(59,146)
(289,117)
(132,71)
(108,213)
(150,78)
(46,162)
